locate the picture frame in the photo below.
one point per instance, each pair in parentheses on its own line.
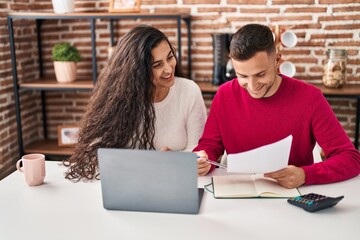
(127,6)
(67,135)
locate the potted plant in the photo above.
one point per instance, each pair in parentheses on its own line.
(65,58)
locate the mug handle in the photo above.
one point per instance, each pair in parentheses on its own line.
(18,165)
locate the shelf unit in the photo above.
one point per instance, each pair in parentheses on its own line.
(46,146)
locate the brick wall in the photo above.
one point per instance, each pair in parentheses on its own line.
(318,24)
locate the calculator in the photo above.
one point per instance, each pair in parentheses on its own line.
(313,202)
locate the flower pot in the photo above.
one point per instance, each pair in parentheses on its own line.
(65,71)
(63,6)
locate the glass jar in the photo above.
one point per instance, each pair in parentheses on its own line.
(335,68)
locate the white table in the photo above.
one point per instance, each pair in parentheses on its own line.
(60,209)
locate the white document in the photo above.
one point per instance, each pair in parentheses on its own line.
(268,158)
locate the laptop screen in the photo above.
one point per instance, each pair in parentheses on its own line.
(146,180)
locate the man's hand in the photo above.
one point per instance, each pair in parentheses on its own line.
(203,165)
(289,177)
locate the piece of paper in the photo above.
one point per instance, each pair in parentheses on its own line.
(268,158)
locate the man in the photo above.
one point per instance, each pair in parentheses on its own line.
(260,107)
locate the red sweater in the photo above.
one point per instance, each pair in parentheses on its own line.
(237,123)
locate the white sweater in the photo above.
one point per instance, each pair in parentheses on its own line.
(180,117)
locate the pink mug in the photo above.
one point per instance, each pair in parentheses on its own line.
(33,168)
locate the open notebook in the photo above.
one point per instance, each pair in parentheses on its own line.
(248,186)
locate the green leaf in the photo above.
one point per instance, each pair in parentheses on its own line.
(64,52)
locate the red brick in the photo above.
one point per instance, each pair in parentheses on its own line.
(311,44)
(246,2)
(290,18)
(172,10)
(294,51)
(216,9)
(316,69)
(306,10)
(203,60)
(342,26)
(331,36)
(196,35)
(4,5)
(201,2)
(349,43)
(42,7)
(280,2)
(346,9)
(155,2)
(85,5)
(247,19)
(201,51)
(259,10)
(352,52)
(3,18)
(336,1)
(203,76)
(207,17)
(339,18)
(210,25)
(196,67)
(14,7)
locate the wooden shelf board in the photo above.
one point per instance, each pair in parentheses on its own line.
(346,90)
(48,147)
(92,14)
(53,84)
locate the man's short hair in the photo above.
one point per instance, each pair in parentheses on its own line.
(249,40)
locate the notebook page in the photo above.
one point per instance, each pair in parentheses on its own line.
(228,186)
(267,187)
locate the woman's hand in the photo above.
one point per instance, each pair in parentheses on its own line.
(203,165)
(165,149)
(289,177)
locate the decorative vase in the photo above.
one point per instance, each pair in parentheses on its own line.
(63,6)
(65,71)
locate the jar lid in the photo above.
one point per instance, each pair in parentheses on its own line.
(336,52)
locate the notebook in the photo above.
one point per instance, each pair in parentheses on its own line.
(249,186)
(150,181)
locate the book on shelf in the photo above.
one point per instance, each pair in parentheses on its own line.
(249,186)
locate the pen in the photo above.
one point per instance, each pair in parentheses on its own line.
(215,163)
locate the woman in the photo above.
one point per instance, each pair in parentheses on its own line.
(138,102)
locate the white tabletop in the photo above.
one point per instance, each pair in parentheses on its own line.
(60,209)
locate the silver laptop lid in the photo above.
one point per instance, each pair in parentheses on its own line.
(143,180)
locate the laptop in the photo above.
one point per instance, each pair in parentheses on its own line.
(149,181)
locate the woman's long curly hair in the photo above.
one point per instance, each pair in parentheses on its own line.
(120,113)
